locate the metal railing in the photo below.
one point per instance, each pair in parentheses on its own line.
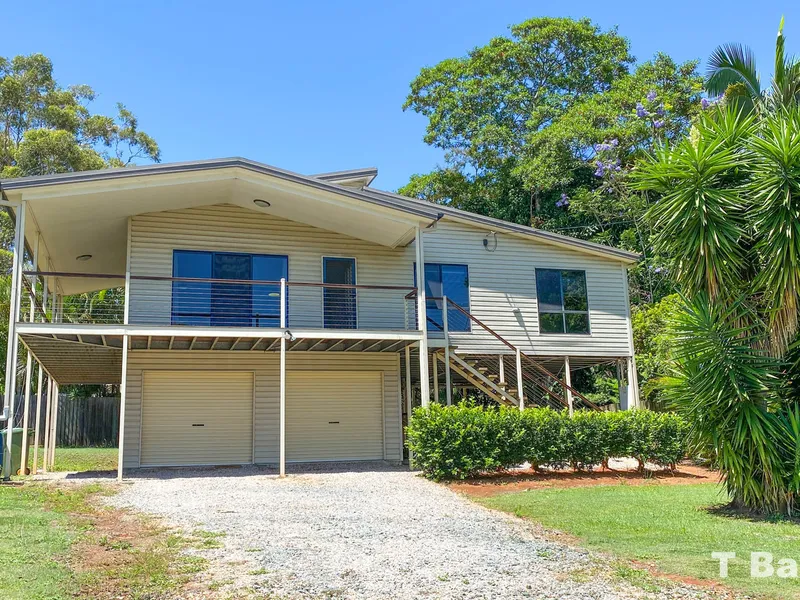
(192,301)
(531,367)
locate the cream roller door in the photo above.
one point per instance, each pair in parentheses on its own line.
(334,415)
(197,418)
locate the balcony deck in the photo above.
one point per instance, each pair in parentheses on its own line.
(79,339)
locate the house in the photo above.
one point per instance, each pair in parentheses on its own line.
(254,315)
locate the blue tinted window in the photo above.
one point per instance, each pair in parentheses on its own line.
(451,281)
(267,297)
(563,301)
(191,301)
(234,304)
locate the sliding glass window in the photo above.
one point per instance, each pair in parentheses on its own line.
(217,303)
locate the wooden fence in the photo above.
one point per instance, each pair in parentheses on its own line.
(82,422)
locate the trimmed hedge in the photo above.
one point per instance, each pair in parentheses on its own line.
(461,441)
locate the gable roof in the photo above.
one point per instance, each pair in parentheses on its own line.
(340,182)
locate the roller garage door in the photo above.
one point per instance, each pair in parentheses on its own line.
(334,415)
(197,418)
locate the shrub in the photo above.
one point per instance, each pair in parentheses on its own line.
(461,441)
(543,437)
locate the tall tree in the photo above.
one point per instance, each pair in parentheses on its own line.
(541,127)
(483,107)
(727,217)
(45,128)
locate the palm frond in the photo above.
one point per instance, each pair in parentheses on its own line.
(775,197)
(730,64)
(699,219)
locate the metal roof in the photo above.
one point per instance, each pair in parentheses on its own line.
(324,181)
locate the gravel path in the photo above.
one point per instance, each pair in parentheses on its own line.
(369,532)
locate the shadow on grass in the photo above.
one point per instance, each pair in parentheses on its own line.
(733,511)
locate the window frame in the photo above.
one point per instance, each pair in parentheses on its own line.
(210,314)
(563,312)
(469,294)
(355,291)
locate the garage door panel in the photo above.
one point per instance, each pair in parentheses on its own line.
(197,418)
(334,415)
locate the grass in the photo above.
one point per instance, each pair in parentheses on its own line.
(57,544)
(32,540)
(674,528)
(82,459)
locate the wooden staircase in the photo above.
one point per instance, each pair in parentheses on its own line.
(539,385)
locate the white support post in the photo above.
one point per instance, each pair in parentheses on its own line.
(408,382)
(622,386)
(422,318)
(47,417)
(123,386)
(435,373)
(502,368)
(283,382)
(26,414)
(38,425)
(408,398)
(447,379)
(13,341)
(123,395)
(633,384)
(568,381)
(26,410)
(520,387)
(54,435)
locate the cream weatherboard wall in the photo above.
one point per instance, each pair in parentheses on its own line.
(502,277)
(228,228)
(265,369)
(502,290)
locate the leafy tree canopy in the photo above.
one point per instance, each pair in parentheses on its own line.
(541,128)
(45,128)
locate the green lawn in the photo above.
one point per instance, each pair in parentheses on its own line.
(82,459)
(668,526)
(45,529)
(34,540)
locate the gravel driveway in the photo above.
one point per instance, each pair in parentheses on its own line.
(369,532)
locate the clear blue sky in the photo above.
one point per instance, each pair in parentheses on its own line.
(318,86)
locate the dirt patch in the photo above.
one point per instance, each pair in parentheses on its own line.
(119,554)
(528,479)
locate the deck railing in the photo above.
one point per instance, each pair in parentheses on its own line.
(190,301)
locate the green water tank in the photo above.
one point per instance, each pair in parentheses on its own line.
(16,447)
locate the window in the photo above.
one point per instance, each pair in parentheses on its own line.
(563,303)
(339,304)
(451,281)
(227,304)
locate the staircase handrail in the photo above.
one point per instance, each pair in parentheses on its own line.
(529,359)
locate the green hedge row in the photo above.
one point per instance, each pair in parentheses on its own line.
(461,441)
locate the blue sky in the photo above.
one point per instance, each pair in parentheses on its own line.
(318,86)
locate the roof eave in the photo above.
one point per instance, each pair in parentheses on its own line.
(400,203)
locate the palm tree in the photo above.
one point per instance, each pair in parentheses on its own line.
(728,200)
(732,74)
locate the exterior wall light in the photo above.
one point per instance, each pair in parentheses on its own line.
(83,257)
(261,203)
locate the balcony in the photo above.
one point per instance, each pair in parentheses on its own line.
(223,303)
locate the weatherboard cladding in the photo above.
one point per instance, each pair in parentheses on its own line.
(500,281)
